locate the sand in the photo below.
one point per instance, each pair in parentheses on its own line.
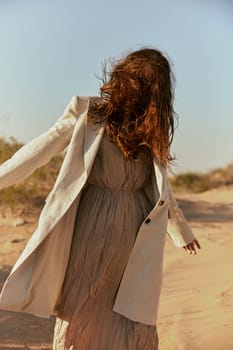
(196,309)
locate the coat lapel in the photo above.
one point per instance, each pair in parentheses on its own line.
(93,135)
(159,176)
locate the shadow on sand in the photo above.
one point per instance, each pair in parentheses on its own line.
(206,212)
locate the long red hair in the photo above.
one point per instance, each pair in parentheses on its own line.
(136,99)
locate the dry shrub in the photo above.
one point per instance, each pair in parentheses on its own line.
(197,182)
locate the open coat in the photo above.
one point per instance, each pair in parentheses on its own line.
(35,282)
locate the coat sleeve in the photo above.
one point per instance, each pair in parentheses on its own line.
(178,228)
(41,149)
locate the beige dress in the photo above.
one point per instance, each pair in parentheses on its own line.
(111,210)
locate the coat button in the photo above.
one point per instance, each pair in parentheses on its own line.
(147,221)
(161,202)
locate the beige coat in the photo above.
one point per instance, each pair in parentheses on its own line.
(36,279)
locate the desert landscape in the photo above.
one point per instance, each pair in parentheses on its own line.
(196,309)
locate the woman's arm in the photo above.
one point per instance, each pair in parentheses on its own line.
(41,149)
(178,228)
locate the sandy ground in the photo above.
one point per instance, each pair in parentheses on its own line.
(196,309)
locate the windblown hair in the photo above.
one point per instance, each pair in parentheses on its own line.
(136,98)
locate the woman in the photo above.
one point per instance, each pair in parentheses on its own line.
(96,259)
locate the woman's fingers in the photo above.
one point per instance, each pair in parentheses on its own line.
(191,247)
(197,243)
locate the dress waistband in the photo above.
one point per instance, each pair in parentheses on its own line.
(116,189)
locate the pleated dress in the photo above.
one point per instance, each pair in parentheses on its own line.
(112,207)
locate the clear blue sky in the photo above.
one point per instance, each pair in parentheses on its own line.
(52,50)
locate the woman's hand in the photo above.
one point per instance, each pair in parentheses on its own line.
(191,247)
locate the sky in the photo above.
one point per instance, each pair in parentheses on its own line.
(52,50)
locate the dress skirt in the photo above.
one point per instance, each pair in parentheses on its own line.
(112,207)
